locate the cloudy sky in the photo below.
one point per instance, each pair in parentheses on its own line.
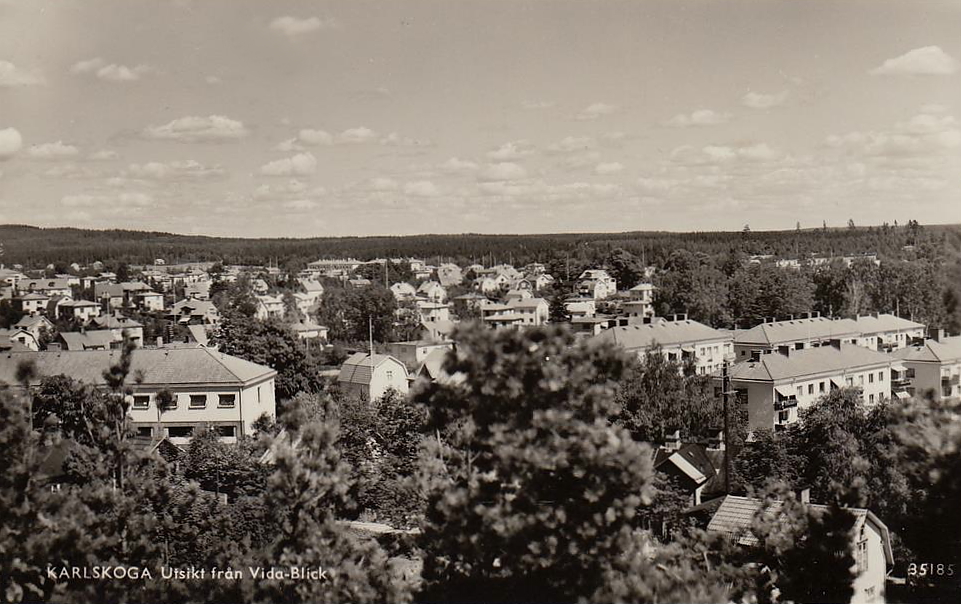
(275,118)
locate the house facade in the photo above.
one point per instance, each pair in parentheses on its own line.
(802,333)
(370,376)
(209,388)
(679,338)
(933,366)
(775,385)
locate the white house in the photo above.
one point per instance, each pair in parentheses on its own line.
(596,284)
(82,310)
(209,388)
(433,291)
(370,376)
(269,307)
(403,291)
(870,540)
(679,339)
(933,366)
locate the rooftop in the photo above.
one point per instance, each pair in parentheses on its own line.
(159,366)
(933,351)
(665,333)
(810,361)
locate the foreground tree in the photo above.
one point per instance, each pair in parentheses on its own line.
(532,493)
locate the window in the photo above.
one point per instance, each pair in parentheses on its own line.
(799,346)
(861,380)
(198,401)
(141,401)
(821,387)
(849,381)
(870,378)
(800,390)
(145,432)
(784,416)
(810,388)
(180,431)
(390,375)
(258,394)
(227,400)
(227,431)
(861,555)
(880,376)
(871,399)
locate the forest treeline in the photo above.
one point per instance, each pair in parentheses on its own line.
(37,247)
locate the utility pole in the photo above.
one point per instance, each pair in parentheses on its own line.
(370,384)
(725,393)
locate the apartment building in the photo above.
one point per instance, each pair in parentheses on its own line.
(775,385)
(801,333)
(933,366)
(679,339)
(209,388)
(886,332)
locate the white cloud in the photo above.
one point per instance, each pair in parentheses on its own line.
(194,129)
(361,134)
(72,170)
(929,60)
(309,136)
(609,168)
(10,143)
(595,110)
(925,135)
(757,100)
(294,26)
(511,150)
(213,80)
(125,199)
(12,76)
(719,154)
(700,117)
(301,204)
(395,140)
(536,105)
(503,171)
(175,170)
(110,72)
(383,184)
(102,155)
(302,164)
(421,188)
(570,144)
(456,165)
(57,150)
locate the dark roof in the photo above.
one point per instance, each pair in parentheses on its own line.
(690,459)
(358,368)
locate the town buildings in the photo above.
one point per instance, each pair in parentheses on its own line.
(933,366)
(370,376)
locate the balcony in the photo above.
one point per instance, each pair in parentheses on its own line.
(783,404)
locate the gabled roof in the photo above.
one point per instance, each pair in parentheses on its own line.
(690,459)
(778,332)
(665,333)
(359,367)
(932,351)
(735,515)
(89,340)
(115,321)
(810,361)
(528,303)
(28,322)
(159,366)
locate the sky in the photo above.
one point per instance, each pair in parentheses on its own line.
(285,118)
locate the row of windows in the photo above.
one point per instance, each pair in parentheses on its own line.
(197,401)
(183,431)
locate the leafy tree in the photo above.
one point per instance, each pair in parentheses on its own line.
(657,396)
(532,493)
(272,344)
(690,283)
(346,313)
(220,467)
(626,268)
(558,308)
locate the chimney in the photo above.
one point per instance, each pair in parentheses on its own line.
(672,440)
(784,350)
(836,343)
(715,439)
(804,495)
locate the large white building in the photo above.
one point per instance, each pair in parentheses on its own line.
(679,339)
(775,385)
(933,366)
(209,388)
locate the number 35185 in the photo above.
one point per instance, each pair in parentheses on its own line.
(930,569)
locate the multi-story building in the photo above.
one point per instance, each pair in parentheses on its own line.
(887,332)
(49,287)
(933,366)
(32,304)
(269,307)
(209,388)
(805,332)
(82,310)
(679,339)
(774,385)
